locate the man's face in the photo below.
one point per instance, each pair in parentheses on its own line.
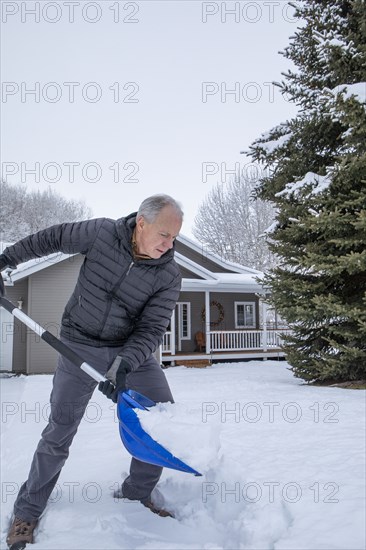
(154,239)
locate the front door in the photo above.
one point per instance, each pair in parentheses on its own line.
(183,325)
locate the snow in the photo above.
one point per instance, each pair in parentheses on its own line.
(335,42)
(272,228)
(270,146)
(31,266)
(321,184)
(282,464)
(357,90)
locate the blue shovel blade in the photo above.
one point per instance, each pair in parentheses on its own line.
(139,443)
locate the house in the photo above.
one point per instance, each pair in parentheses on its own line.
(220,314)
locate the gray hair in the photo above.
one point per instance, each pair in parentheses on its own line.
(152,206)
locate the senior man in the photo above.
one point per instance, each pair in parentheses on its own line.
(124,296)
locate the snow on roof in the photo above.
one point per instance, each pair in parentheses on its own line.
(219,281)
(32,266)
(225,282)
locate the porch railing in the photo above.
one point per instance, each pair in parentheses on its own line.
(166,345)
(237,340)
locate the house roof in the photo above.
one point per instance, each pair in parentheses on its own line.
(224,282)
(243,279)
(203,251)
(33,266)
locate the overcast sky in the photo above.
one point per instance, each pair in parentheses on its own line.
(112,101)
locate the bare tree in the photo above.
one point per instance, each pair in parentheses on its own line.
(232,222)
(23,212)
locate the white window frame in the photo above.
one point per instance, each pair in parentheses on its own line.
(236,304)
(181,306)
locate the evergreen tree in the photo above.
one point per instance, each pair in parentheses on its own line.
(317,182)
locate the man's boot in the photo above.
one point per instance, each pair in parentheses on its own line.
(21,531)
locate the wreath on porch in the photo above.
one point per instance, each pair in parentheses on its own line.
(221,314)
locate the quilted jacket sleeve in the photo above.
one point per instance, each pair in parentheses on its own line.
(69,238)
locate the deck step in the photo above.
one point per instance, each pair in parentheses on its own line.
(196,363)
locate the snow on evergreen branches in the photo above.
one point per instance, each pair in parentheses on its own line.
(356,91)
(316,183)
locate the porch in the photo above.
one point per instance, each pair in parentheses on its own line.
(229,344)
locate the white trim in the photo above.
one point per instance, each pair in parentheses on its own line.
(208,320)
(180,320)
(172,331)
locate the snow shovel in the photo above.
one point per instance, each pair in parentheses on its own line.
(137,442)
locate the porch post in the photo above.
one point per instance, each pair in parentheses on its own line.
(264,313)
(172,335)
(207,323)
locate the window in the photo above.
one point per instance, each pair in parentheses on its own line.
(184,316)
(244,314)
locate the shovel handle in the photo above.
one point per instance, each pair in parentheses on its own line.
(54,342)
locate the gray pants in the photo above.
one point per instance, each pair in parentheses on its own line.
(72,390)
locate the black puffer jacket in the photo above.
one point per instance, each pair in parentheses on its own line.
(117,300)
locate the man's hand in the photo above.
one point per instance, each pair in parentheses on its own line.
(108,390)
(116,379)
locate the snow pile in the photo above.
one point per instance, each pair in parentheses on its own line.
(282,464)
(173,425)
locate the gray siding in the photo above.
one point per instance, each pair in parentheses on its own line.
(49,290)
(186,274)
(15,293)
(201,258)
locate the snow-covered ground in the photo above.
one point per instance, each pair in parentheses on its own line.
(282,464)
